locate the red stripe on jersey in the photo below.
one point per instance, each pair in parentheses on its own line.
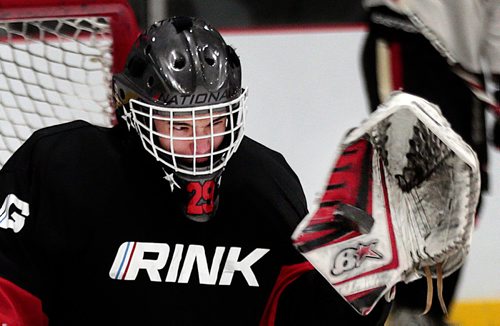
(18,307)
(287,275)
(129,260)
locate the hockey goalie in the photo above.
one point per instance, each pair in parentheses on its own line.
(399,205)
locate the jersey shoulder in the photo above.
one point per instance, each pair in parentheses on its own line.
(69,131)
(269,176)
(257,155)
(58,140)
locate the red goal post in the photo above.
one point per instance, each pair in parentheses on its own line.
(57,58)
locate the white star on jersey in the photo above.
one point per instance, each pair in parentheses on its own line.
(170,178)
(127,116)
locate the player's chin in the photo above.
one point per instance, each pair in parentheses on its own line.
(200,162)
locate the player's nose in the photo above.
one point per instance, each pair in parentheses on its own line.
(202,145)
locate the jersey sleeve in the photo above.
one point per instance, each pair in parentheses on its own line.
(18,307)
(310,300)
(19,288)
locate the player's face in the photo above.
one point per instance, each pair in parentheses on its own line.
(198,131)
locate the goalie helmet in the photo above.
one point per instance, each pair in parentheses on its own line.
(181,91)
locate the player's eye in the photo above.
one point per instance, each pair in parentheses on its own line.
(220,121)
(180,127)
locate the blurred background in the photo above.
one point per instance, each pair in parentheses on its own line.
(252,14)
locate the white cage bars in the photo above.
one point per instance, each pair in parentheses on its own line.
(56,63)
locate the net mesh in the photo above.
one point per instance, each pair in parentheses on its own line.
(53,71)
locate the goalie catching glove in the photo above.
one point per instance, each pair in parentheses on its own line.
(399,204)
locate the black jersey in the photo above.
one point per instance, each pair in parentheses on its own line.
(89,225)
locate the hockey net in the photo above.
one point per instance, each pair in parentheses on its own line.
(57,58)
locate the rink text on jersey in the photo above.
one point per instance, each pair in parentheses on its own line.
(13,213)
(132,257)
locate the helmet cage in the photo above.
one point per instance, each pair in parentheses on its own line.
(143,117)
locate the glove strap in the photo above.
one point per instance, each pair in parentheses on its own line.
(430,289)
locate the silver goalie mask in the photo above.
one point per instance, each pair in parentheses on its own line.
(181,92)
